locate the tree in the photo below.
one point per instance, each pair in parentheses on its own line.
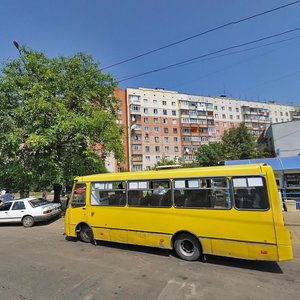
(210,155)
(54,112)
(237,143)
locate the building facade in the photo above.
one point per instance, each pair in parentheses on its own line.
(282,139)
(160,124)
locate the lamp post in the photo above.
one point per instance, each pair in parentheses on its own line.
(16,44)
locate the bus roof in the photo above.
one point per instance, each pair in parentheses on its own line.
(180,173)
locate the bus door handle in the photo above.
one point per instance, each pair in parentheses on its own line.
(83,208)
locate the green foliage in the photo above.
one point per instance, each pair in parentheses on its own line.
(53,113)
(210,155)
(237,143)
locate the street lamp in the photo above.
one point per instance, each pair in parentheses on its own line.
(16,44)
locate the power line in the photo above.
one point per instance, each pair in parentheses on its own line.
(230,53)
(202,33)
(241,61)
(210,53)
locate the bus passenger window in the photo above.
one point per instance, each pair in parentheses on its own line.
(108,193)
(202,193)
(250,193)
(150,193)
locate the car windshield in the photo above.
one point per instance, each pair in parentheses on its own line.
(38,202)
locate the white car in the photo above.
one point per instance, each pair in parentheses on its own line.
(28,211)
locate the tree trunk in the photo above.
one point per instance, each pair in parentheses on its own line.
(57,193)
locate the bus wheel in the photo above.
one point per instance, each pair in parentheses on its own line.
(86,234)
(187,247)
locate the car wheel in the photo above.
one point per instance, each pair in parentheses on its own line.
(187,247)
(86,234)
(28,221)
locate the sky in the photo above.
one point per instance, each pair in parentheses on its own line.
(115,30)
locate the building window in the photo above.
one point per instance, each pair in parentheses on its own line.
(174,121)
(134,97)
(167,148)
(157,158)
(215,107)
(230,108)
(166,130)
(237,109)
(156,139)
(147,129)
(165,121)
(145,101)
(165,112)
(137,168)
(145,110)
(146,120)
(173,112)
(166,139)
(176,149)
(157,148)
(164,103)
(238,117)
(231,117)
(147,149)
(216,116)
(223,107)
(135,107)
(173,103)
(223,116)
(175,130)
(156,129)
(147,158)
(155,102)
(175,139)
(155,111)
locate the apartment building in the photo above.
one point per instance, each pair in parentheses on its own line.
(171,125)
(154,127)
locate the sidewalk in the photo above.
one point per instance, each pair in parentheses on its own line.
(292,221)
(292,218)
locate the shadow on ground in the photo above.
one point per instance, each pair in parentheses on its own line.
(262,266)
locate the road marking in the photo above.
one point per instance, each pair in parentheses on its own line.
(175,290)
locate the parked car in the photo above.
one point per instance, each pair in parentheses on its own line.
(28,211)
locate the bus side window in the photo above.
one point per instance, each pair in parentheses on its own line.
(108,193)
(150,193)
(209,193)
(79,196)
(250,193)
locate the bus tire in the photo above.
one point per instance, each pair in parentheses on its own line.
(187,247)
(86,234)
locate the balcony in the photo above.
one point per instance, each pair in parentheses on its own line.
(137,158)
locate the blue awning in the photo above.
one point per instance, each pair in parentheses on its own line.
(278,164)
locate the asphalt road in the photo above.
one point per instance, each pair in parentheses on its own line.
(39,263)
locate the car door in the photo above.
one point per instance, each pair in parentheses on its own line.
(4,212)
(17,211)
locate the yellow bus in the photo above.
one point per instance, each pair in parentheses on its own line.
(231,211)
